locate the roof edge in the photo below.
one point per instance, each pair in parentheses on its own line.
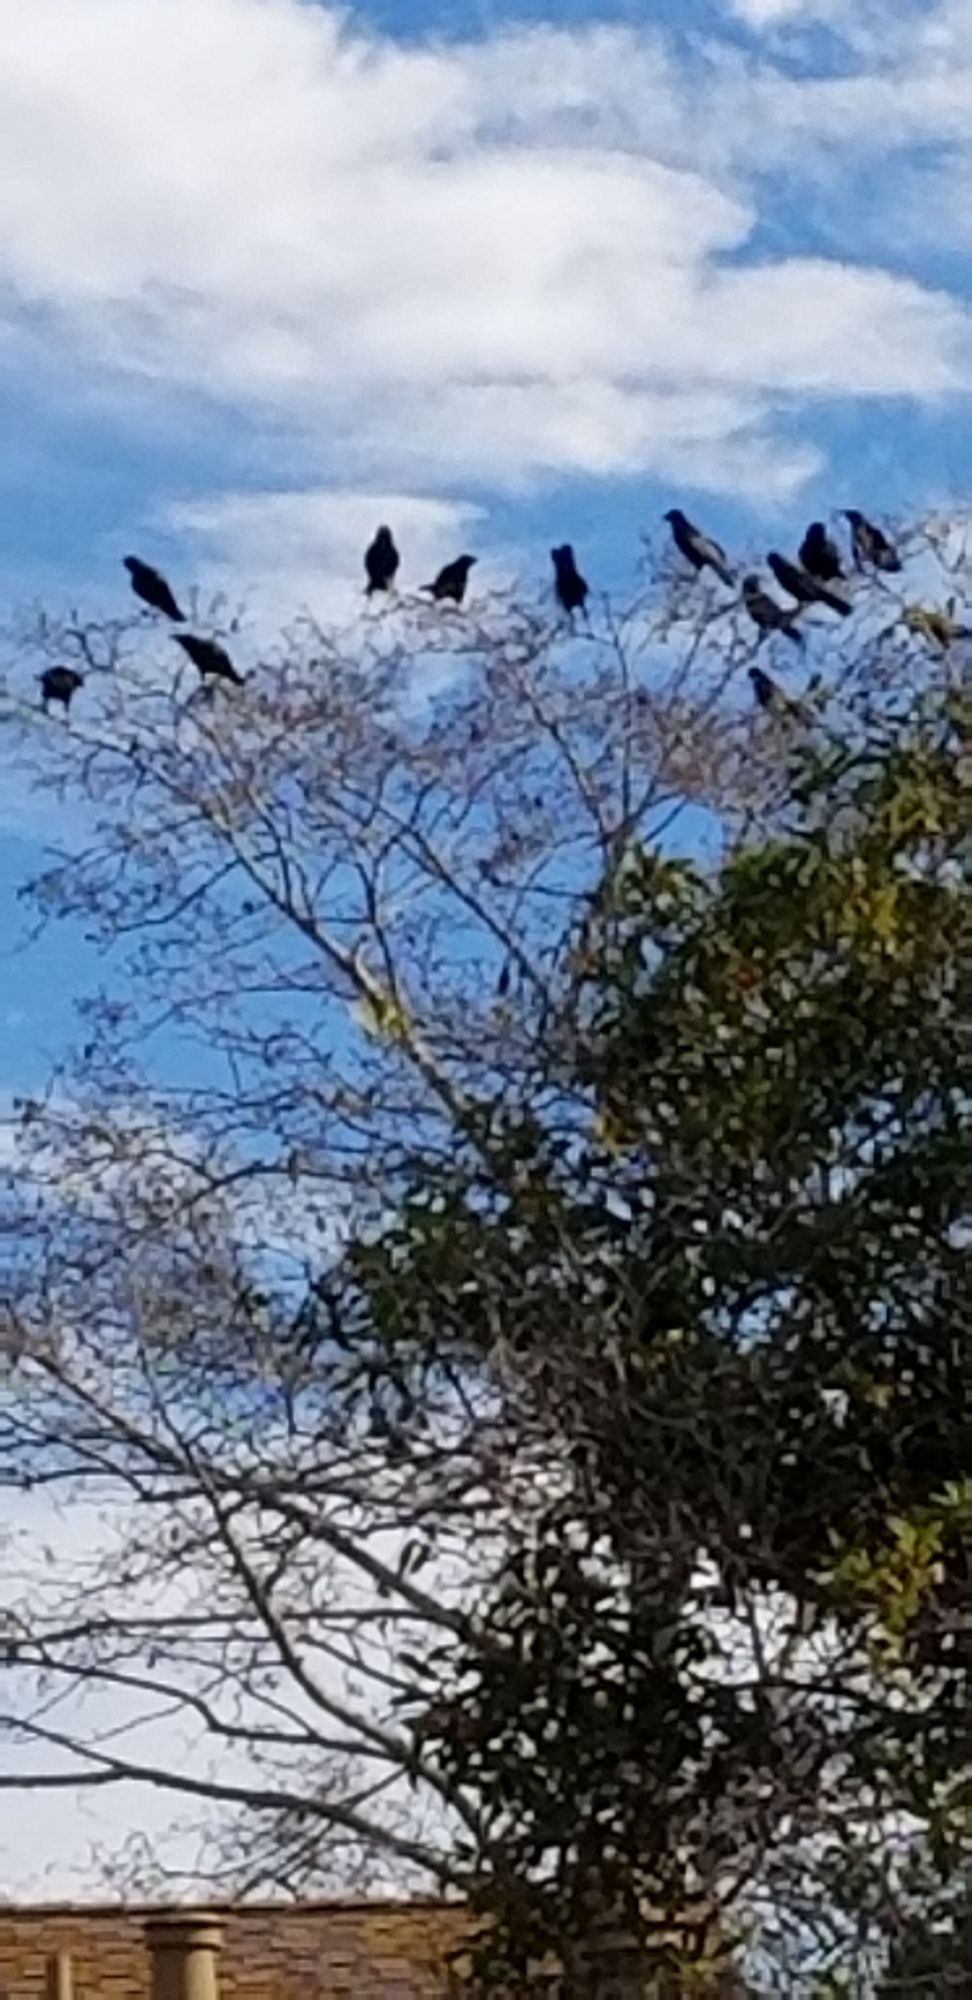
(331,1905)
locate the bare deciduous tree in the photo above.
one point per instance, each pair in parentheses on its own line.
(325,1299)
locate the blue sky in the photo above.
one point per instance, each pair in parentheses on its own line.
(503,274)
(500,274)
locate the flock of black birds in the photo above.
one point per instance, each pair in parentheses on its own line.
(61,684)
(815,578)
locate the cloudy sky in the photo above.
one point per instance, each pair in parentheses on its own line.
(270,272)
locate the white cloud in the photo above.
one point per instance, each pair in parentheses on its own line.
(769,13)
(853,20)
(480,261)
(50,1844)
(810,325)
(905,80)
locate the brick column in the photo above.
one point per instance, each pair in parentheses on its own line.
(60,1977)
(184,1948)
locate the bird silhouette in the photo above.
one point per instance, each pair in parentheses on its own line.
(59,684)
(698,549)
(766,613)
(768,692)
(152,588)
(869,545)
(805,588)
(381,562)
(820,555)
(452,580)
(771,697)
(212,659)
(571,588)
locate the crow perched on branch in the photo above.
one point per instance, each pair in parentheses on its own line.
(766,613)
(820,555)
(381,562)
(870,545)
(571,588)
(773,698)
(452,580)
(768,692)
(211,658)
(698,549)
(152,588)
(805,588)
(59,684)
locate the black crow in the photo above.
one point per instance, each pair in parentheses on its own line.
(59,684)
(773,698)
(209,657)
(152,588)
(806,589)
(768,692)
(698,549)
(381,562)
(766,613)
(571,588)
(452,580)
(870,545)
(820,555)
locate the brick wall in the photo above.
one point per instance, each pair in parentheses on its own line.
(326,1951)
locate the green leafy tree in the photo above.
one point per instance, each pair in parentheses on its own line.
(931,1955)
(734,1646)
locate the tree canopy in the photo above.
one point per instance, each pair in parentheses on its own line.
(494,1268)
